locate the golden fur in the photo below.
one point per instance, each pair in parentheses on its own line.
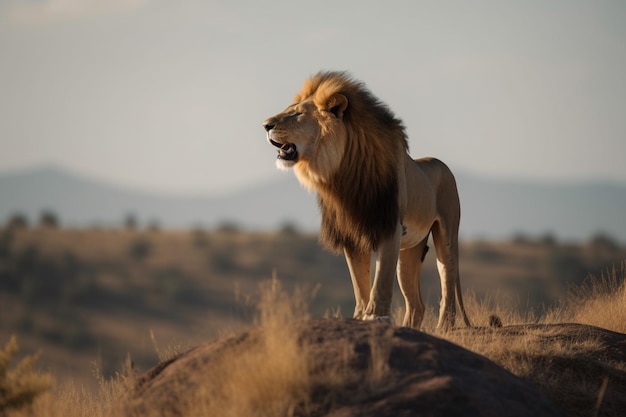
(349,148)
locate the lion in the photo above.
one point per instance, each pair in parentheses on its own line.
(349,148)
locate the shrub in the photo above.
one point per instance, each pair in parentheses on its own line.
(602,243)
(200,238)
(49,219)
(20,386)
(567,265)
(6,241)
(228,226)
(130,222)
(288,229)
(17,221)
(154,226)
(140,249)
(223,261)
(548,239)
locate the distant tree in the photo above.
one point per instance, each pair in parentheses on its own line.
(154,226)
(140,249)
(548,239)
(200,237)
(521,238)
(17,221)
(130,222)
(48,219)
(486,253)
(602,242)
(567,265)
(6,242)
(228,227)
(223,261)
(288,229)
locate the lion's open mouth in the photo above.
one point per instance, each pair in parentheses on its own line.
(286,151)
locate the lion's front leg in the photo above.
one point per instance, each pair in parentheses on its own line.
(359,266)
(379,306)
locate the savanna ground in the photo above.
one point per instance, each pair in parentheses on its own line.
(93,301)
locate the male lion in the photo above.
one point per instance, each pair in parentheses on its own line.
(349,148)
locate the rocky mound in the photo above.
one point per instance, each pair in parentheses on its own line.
(336,368)
(581,367)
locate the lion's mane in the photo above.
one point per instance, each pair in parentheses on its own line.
(359,200)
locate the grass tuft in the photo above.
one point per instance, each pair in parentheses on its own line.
(21,385)
(598,301)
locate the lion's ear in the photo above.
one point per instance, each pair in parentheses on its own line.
(337,104)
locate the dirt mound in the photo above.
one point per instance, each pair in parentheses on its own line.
(581,367)
(341,368)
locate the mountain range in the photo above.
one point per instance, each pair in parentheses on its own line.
(491,208)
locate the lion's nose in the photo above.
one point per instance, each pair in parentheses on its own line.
(268,125)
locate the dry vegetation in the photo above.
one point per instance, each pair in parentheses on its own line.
(599,301)
(216,263)
(276,380)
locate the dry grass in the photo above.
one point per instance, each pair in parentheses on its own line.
(271,381)
(19,385)
(566,367)
(80,295)
(76,401)
(599,302)
(277,380)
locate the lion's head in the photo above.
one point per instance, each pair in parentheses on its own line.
(344,144)
(310,134)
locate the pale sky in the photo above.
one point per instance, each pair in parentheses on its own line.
(169,96)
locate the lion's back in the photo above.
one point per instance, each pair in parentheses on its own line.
(442,179)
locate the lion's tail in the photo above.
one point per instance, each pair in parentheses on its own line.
(459,299)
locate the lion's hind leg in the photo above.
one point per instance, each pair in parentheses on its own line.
(447,248)
(409,270)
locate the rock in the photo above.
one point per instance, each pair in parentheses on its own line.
(338,368)
(580,367)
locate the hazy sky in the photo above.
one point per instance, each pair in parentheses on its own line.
(169,96)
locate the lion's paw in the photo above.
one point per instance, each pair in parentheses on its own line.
(372,317)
